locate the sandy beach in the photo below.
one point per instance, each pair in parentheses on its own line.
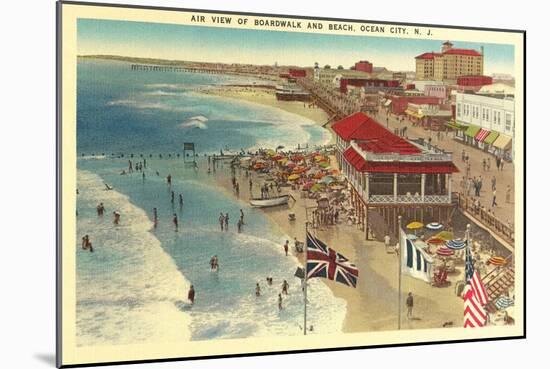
(373,305)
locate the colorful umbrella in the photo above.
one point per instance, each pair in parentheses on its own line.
(316,187)
(434,226)
(298,157)
(415,225)
(456,244)
(324,164)
(319,175)
(319,158)
(258,166)
(446,235)
(293,177)
(277,157)
(444,251)
(271,153)
(497,260)
(504,302)
(436,241)
(308,186)
(328,179)
(298,170)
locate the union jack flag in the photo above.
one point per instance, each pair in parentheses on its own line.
(324,262)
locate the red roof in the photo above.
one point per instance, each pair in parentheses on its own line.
(463,52)
(427,55)
(372,136)
(363,165)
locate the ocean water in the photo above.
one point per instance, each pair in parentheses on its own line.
(133,287)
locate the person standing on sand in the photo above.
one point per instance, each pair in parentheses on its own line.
(226,221)
(387,240)
(169,180)
(410,304)
(181,200)
(155,217)
(250,185)
(221,220)
(172,197)
(280,302)
(257,290)
(286,248)
(191,295)
(116,215)
(242,216)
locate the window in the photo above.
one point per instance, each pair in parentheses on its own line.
(508,122)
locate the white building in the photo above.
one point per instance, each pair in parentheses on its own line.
(489,119)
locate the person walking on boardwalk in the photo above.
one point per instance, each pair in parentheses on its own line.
(494,203)
(191,295)
(494,183)
(410,304)
(508,194)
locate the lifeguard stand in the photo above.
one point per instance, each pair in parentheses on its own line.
(189,147)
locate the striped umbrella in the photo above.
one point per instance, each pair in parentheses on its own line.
(434,226)
(497,260)
(444,251)
(504,302)
(456,244)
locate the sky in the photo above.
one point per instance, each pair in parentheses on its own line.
(228,45)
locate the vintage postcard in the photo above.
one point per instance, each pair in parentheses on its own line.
(235,184)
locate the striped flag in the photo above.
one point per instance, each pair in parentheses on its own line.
(474,313)
(415,261)
(479,289)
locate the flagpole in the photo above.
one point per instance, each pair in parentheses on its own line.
(399,253)
(469,250)
(305,283)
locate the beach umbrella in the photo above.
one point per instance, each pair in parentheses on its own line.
(504,302)
(415,225)
(456,244)
(497,260)
(277,157)
(444,251)
(293,177)
(319,158)
(258,166)
(316,188)
(299,170)
(324,164)
(308,185)
(298,157)
(434,226)
(446,235)
(319,175)
(328,179)
(271,153)
(436,241)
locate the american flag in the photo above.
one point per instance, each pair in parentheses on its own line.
(475,295)
(324,262)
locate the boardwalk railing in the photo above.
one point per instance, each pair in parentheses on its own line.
(485,217)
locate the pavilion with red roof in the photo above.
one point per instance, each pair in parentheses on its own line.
(387,171)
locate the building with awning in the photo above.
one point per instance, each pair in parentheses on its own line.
(488,115)
(389,172)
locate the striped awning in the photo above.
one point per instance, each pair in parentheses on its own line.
(482,134)
(491,138)
(414,114)
(455,125)
(503,142)
(472,130)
